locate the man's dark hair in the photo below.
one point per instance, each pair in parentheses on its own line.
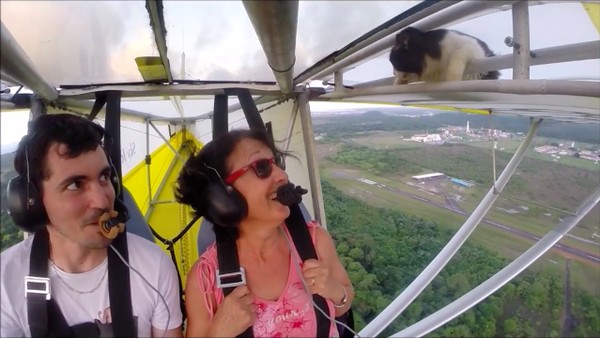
(78,133)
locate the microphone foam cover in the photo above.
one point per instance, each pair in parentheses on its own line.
(289,194)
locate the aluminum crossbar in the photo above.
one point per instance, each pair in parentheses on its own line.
(437,264)
(17,67)
(504,276)
(522,87)
(311,158)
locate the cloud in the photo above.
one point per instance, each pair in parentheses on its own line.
(76,42)
(71,41)
(327,26)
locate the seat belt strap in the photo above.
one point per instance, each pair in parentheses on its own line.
(230,274)
(119,289)
(300,234)
(37,314)
(43,314)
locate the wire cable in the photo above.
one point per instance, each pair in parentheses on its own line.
(151,286)
(296,263)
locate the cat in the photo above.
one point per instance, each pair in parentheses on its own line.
(437,55)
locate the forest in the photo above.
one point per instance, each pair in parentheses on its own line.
(383,251)
(10,234)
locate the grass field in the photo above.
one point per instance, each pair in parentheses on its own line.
(584,274)
(510,146)
(506,245)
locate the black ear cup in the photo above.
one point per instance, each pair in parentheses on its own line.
(225,206)
(25,205)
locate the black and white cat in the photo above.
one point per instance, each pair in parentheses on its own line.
(437,55)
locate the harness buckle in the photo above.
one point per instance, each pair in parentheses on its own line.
(231,279)
(39,285)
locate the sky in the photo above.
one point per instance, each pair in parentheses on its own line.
(97,41)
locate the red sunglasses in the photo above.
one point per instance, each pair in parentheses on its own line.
(262,168)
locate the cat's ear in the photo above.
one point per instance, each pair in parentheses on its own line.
(402,41)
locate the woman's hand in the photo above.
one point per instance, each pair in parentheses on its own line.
(235,314)
(319,280)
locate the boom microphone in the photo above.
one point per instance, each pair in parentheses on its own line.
(110,225)
(289,194)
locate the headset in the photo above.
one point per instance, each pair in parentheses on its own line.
(27,210)
(225,205)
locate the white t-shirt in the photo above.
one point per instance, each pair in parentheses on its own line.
(148,307)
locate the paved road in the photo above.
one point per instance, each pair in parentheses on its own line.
(456,209)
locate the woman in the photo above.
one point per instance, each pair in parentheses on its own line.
(276,300)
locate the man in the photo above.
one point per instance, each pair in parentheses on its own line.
(73,181)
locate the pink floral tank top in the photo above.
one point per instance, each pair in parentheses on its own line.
(291,315)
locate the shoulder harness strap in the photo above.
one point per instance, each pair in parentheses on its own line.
(119,289)
(44,315)
(298,230)
(40,305)
(231,275)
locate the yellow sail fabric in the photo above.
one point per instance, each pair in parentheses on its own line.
(593,10)
(464,110)
(155,183)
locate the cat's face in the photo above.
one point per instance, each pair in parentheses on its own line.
(407,57)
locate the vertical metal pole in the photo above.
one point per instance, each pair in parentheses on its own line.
(38,108)
(311,159)
(521,50)
(291,124)
(338,79)
(148,160)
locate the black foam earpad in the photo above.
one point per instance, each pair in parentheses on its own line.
(25,205)
(225,206)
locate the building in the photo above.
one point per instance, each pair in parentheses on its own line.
(426,177)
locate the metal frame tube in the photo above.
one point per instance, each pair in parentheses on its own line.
(148,162)
(153,199)
(437,264)
(520,17)
(311,158)
(167,142)
(574,52)
(291,124)
(338,81)
(275,24)
(523,87)
(157,21)
(88,93)
(19,68)
(504,276)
